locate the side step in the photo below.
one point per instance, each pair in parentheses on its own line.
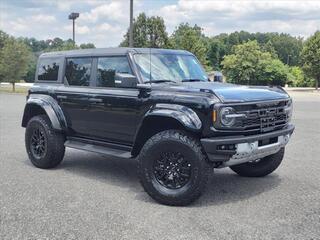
(98,149)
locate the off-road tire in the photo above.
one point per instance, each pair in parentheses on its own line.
(260,168)
(190,148)
(54,141)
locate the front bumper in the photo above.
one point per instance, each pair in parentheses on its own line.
(239,149)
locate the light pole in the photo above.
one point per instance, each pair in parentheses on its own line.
(131,25)
(73,16)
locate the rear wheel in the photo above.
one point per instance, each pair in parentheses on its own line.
(261,167)
(44,146)
(172,168)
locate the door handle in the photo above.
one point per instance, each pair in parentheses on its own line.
(95,100)
(62,97)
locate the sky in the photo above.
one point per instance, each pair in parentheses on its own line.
(104,22)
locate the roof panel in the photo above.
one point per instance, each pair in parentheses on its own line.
(111,51)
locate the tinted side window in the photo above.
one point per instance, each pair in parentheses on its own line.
(48,69)
(107,69)
(78,71)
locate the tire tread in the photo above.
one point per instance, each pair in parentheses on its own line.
(55,142)
(183,138)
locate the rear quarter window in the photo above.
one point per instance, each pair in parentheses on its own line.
(48,69)
(78,71)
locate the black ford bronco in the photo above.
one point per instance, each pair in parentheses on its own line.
(159,107)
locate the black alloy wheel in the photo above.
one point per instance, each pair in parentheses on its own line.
(45,147)
(172,170)
(38,143)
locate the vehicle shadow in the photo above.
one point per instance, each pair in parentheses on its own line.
(110,170)
(223,187)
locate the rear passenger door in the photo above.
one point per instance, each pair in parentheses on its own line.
(73,97)
(114,109)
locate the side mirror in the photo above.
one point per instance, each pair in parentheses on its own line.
(125,80)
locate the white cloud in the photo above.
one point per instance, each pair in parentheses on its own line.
(78,28)
(65,5)
(295,17)
(104,22)
(24,26)
(295,27)
(241,8)
(18,25)
(113,10)
(43,19)
(105,34)
(83,29)
(106,27)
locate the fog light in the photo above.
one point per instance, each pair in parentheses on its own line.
(226,147)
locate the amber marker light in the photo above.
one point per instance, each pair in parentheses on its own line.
(214,115)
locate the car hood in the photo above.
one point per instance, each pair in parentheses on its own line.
(237,93)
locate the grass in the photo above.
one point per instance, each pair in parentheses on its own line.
(8,89)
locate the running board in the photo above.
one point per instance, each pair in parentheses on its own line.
(98,149)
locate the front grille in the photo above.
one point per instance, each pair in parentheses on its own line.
(264,117)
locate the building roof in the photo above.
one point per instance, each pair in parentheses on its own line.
(111,51)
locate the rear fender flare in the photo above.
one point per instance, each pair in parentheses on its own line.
(50,107)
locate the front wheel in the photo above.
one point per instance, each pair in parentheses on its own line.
(261,167)
(172,168)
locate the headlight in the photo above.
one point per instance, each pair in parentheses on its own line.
(226,117)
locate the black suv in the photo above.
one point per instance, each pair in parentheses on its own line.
(159,107)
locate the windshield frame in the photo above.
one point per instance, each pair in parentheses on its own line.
(141,78)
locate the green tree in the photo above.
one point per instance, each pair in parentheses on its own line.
(3,38)
(297,78)
(268,47)
(242,66)
(35,45)
(191,39)
(250,65)
(87,45)
(283,46)
(272,71)
(147,32)
(14,58)
(32,64)
(30,75)
(216,52)
(288,48)
(57,45)
(311,57)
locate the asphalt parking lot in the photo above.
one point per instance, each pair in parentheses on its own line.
(93,197)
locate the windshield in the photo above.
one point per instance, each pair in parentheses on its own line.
(169,67)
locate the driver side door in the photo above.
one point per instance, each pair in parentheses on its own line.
(114,109)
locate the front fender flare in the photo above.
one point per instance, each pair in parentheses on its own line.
(186,116)
(51,108)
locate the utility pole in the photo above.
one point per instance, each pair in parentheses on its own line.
(131,25)
(288,59)
(73,16)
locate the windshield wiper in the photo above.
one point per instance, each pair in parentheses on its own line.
(191,80)
(159,81)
